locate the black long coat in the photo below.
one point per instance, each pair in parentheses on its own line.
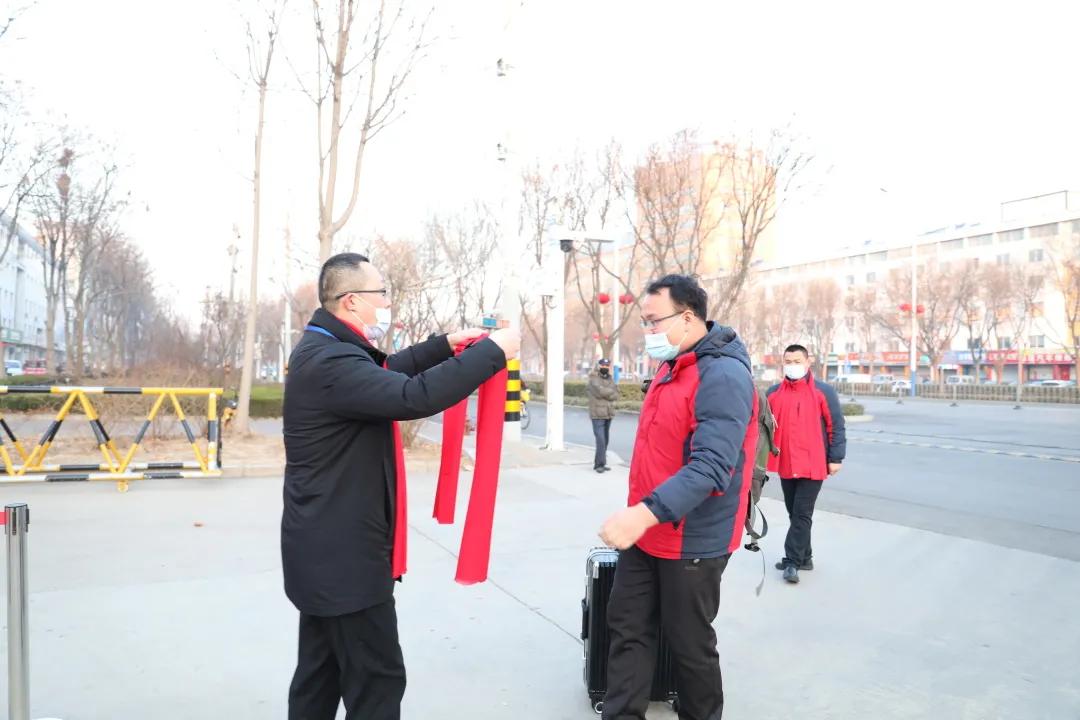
(340,477)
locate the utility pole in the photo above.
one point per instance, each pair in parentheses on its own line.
(509,245)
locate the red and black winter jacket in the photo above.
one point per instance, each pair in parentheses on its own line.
(809,428)
(694,453)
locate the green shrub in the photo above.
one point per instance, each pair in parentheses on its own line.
(851,409)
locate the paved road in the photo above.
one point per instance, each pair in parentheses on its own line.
(981,470)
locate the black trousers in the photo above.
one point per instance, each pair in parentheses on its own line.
(800,496)
(602,432)
(683,597)
(355,658)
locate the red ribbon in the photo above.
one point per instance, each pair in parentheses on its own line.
(453,433)
(476,539)
(401,516)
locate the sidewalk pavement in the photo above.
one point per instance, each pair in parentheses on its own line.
(138,612)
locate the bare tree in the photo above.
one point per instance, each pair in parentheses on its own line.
(351,71)
(757,180)
(1064,256)
(781,306)
(21,170)
(260,58)
(862,307)
(594,194)
(543,203)
(1021,307)
(222,329)
(56,215)
(980,304)
(821,302)
(465,242)
(674,203)
(939,292)
(397,260)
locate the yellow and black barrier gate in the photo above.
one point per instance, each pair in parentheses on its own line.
(118,466)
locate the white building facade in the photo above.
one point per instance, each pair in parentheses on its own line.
(1025,235)
(23,301)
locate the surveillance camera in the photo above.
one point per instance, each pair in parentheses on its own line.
(566,245)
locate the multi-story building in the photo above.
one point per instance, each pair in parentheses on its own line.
(1026,236)
(23,299)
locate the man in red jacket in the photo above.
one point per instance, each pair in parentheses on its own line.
(810,434)
(690,478)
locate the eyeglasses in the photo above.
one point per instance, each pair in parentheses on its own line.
(653,324)
(381,291)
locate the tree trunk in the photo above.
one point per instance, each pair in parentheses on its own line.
(326,244)
(50,335)
(79,340)
(247,372)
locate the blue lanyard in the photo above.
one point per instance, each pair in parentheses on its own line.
(316,328)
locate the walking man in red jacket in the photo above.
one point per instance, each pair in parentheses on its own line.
(690,478)
(810,434)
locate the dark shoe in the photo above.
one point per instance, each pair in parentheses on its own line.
(599,470)
(808,566)
(791,574)
(607,468)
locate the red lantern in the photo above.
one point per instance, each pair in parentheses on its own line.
(603,298)
(626,298)
(596,336)
(919,309)
(606,338)
(399,325)
(906,307)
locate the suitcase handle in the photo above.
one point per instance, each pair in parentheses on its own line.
(584,620)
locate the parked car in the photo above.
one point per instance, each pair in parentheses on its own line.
(855,378)
(1053,383)
(961,380)
(899,386)
(883,379)
(13,368)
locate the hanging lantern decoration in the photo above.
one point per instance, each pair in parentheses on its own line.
(606,338)
(906,307)
(919,309)
(626,299)
(603,298)
(596,336)
(399,325)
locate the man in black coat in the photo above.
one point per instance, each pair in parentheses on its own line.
(338,524)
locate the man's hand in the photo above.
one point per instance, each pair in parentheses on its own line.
(509,340)
(626,527)
(464,336)
(834,468)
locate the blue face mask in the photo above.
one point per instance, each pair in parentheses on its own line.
(660,348)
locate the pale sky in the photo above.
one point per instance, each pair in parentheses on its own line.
(952,107)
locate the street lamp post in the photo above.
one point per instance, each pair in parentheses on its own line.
(510,246)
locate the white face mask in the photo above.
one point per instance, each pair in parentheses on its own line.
(383,318)
(659,348)
(795,372)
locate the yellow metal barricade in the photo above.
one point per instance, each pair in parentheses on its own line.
(116,466)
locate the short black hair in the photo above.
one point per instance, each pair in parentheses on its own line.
(797,348)
(685,291)
(332,274)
